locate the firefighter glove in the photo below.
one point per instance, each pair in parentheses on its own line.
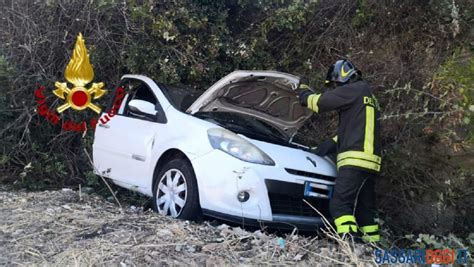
(303,91)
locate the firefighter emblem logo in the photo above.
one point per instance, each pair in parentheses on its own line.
(79,73)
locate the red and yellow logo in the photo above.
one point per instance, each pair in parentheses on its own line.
(79,73)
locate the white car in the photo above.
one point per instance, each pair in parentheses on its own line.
(229,155)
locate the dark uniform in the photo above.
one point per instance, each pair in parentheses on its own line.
(358,158)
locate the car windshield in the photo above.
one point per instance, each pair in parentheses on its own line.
(181,97)
(244,124)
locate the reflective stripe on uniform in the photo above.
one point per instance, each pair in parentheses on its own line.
(370,228)
(371,238)
(313,102)
(344,219)
(335,139)
(370,233)
(359,159)
(310,101)
(345,224)
(359,163)
(344,229)
(359,155)
(369,129)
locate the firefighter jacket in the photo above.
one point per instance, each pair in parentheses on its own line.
(358,135)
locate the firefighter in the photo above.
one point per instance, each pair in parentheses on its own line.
(357,145)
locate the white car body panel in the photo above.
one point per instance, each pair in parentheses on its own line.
(127,150)
(224,180)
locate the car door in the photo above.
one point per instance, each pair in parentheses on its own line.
(124,143)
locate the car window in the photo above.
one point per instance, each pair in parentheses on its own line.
(139,90)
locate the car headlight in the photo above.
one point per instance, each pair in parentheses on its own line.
(237,146)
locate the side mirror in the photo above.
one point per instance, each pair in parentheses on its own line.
(142,108)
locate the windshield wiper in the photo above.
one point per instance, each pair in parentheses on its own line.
(297,144)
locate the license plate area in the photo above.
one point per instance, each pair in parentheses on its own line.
(317,190)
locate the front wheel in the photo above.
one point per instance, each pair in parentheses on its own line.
(176,193)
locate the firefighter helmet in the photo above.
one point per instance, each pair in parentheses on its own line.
(341,72)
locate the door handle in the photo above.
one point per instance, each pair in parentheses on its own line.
(104,126)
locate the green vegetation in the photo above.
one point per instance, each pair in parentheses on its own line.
(417,56)
(456,77)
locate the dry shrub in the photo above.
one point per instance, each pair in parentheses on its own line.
(398,46)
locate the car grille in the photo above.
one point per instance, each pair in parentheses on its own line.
(284,204)
(287,198)
(310,174)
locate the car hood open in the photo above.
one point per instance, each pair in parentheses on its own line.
(267,95)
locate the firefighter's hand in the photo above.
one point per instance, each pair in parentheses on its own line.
(303,91)
(325,148)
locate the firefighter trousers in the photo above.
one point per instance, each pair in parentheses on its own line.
(353,204)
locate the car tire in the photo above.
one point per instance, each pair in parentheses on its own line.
(182,194)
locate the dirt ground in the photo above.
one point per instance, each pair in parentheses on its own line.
(67,228)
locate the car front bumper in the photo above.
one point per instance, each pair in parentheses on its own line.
(276,193)
(283,222)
